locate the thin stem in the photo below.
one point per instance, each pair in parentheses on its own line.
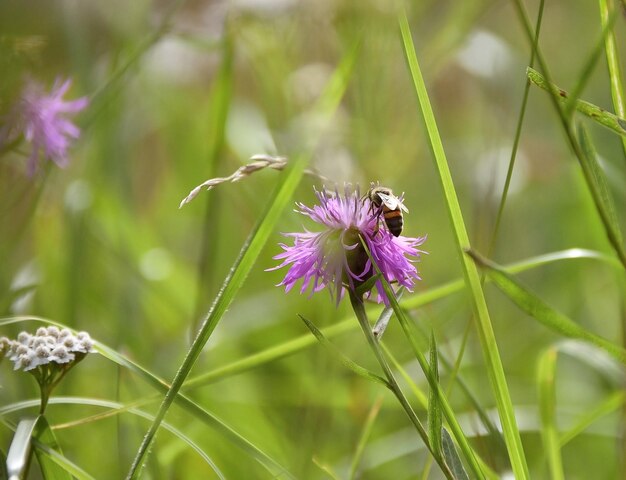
(359,310)
(518,134)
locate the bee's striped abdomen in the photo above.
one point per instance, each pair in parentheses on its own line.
(393,219)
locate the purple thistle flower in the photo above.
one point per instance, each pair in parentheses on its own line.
(335,256)
(41,118)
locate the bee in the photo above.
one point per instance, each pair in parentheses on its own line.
(390,206)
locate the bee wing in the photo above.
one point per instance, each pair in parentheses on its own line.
(392,202)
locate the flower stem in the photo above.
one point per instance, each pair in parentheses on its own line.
(359,310)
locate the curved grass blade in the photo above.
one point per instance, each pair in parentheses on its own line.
(540,310)
(607,119)
(247,257)
(356,368)
(46,447)
(183,401)
(547,407)
(196,410)
(115,408)
(365,435)
(451,456)
(486,334)
(19,455)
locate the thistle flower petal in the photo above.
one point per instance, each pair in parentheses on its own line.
(335,257)
(41,118)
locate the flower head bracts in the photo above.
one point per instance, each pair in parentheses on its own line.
(42,118)
(335,257)
(49,346)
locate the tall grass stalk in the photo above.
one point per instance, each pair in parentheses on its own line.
(607,9)
(472,278)
(247,257)
(516,139)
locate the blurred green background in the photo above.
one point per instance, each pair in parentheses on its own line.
(184,91)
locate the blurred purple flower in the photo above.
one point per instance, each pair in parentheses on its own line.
(42,118)
(335,256)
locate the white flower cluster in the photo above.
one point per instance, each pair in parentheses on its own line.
(46,346)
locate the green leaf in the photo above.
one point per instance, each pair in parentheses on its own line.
(434,409)
(359,370)
(451,456)
(601,116)
(534,306)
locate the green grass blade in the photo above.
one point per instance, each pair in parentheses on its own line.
(269,355)
(435,422)
(246,260)
(452,456)
(599,186)
(588,67)
(115,408)
(547,407)
(557,96)
(611,404)
(516,138)
(197,411)
(607,119)
(460,437)
(540,310)
(613,63)
(487,337)
(364,437)
(48,443)
(356,368)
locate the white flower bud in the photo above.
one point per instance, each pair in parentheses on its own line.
(24,338)
(64,333)
(53,331)
(61,355)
